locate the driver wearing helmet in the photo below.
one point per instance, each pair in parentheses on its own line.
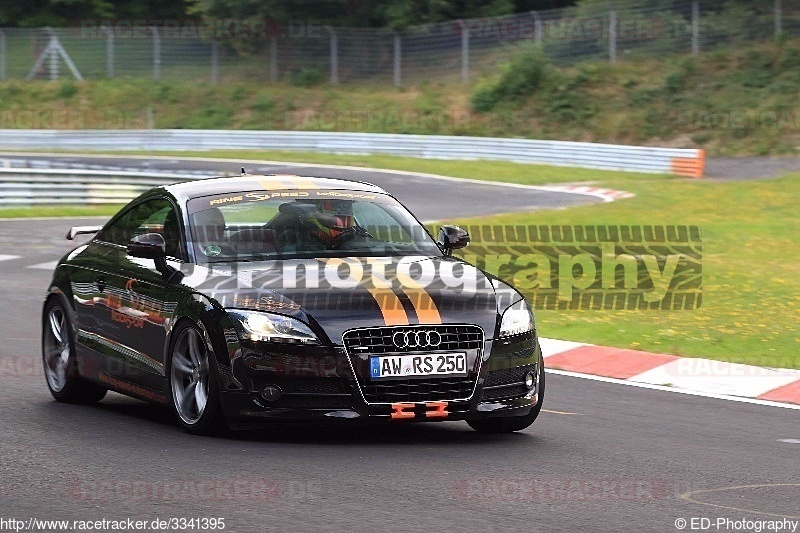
(329,221)
(314,225)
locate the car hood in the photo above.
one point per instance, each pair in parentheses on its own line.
(336,295)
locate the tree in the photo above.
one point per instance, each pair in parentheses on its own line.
(38,13)
(394,13)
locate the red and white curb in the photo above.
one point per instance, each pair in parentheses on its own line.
(717,378)
(607,195)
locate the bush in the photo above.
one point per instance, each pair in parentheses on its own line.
(484,98)
(519,79)
(165,93)
(307,77)
(263,104)
(791,59)
(568,106)
(211,117)
(67,90)
(523,75)
(238,93)
(673,83)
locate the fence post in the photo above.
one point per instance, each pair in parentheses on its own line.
(214,61)
(612,36)
(109,51)
(53,55)
(334,55)
(273,59)
(398,60)
(2,55)
(156,53)
(778,19)
(537,28)
(464,51)
(695,26)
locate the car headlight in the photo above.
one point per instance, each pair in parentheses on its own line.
(516,321)
(257,326)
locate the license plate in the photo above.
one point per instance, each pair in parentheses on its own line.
(406,366)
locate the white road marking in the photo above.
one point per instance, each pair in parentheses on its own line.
(50,265)
(718,377)
(8,257)
(790,441)
(615,381)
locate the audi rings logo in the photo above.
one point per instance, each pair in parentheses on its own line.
(417,339)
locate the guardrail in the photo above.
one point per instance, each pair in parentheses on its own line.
(682,162)
(24,186)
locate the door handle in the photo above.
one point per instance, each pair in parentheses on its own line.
(101,284)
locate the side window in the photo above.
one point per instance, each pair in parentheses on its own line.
(153,216)
(116,232)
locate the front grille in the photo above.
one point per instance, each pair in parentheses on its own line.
(379,340)
(507,383)
(362,343)
(418,390)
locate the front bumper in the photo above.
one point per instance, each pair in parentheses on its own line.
(245,410)
(324,389)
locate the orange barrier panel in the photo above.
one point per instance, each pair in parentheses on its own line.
(689,166)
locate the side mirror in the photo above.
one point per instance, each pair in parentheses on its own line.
(153,246)
(452,238)
(148,246)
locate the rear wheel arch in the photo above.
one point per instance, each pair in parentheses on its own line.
(59,357)
(56,294)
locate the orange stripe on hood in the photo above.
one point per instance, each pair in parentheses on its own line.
(392,310)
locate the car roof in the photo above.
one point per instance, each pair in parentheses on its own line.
(258,182)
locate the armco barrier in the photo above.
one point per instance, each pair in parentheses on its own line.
(26,186)
(682,162)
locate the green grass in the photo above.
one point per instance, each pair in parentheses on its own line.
(751,263)
(58,211)
(751,254)
(734,100)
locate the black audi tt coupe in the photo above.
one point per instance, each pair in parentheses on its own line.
(254,299)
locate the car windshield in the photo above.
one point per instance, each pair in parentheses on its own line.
(265,225)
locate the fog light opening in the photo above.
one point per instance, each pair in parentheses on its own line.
(530,380)
(271,393)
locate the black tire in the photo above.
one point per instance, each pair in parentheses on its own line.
(191,368)
(59,359)
(509,424)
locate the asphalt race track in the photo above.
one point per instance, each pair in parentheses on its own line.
(428,199)
(603,457)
